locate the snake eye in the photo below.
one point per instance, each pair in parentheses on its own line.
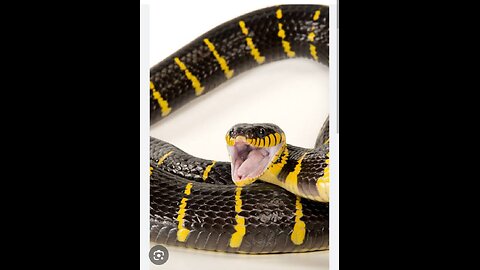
(230,132)
(261,132)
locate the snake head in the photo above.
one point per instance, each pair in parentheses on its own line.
(252,149)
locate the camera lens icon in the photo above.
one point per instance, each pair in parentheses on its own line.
(158,255)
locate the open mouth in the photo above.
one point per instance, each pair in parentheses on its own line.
(250,162)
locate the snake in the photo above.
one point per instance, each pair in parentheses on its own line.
(272,197)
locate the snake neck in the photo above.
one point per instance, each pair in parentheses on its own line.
(304,172)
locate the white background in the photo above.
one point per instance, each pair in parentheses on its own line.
(292,94)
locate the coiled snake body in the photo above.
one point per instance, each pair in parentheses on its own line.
(194,202)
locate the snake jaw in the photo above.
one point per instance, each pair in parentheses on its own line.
(250,162)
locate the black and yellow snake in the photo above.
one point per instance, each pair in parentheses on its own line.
(213,205)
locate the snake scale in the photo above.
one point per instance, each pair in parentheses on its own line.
(194,202)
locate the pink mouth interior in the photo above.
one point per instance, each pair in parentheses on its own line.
(248,161)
